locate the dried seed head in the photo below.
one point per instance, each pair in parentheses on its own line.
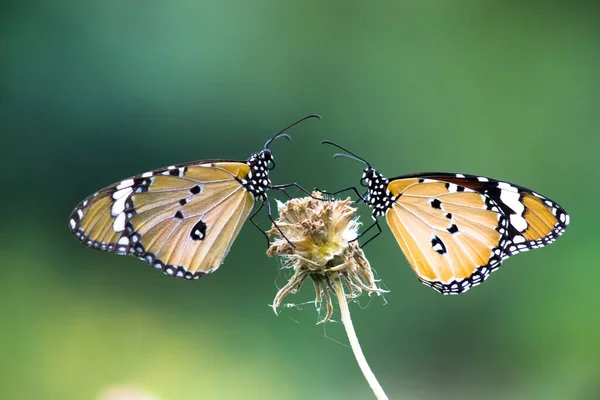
(316,238)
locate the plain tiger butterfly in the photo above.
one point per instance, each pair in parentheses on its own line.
(456,229)
(181,219)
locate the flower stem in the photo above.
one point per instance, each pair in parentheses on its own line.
(358,353)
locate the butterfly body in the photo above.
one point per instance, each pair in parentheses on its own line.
(181,219)
(378,196)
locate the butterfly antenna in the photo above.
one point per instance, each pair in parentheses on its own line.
(350,154)
(281,134)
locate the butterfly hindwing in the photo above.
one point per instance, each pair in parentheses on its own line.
(182,219)
(456,229)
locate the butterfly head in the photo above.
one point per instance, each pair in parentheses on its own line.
(257,181)
(267,157)
(369,174)
(378,197)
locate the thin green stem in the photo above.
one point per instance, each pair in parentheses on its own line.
(358,353)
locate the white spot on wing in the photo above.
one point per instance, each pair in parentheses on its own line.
(482,179)
(507,186)
(80,213)
(518,239)
(120,193)
(72,223)
(119,224)
(124,241)
(147,174)
(518,222)
(119,205)
(511,199)
(125,183)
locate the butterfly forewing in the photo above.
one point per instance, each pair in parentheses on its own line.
(456,229)
(534,220)
(182,219)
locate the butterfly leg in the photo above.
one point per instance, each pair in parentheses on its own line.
(258,227)
(376,223)
(269,214)
(294,184)
(360,197)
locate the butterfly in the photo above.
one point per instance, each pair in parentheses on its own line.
(181,219)
(456,229)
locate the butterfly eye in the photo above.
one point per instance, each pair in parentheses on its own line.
(367,176)
(267,155)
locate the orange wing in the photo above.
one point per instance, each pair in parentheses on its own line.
(455,230)
(182,219)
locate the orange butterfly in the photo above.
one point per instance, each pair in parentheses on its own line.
(455,229)
(181,219)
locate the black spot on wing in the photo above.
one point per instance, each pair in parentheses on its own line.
(438,246)
(198,231)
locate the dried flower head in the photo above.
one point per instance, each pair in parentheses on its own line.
(316,238)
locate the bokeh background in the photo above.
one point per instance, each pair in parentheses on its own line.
(93,92)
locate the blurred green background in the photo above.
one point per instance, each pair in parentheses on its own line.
(93,92)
